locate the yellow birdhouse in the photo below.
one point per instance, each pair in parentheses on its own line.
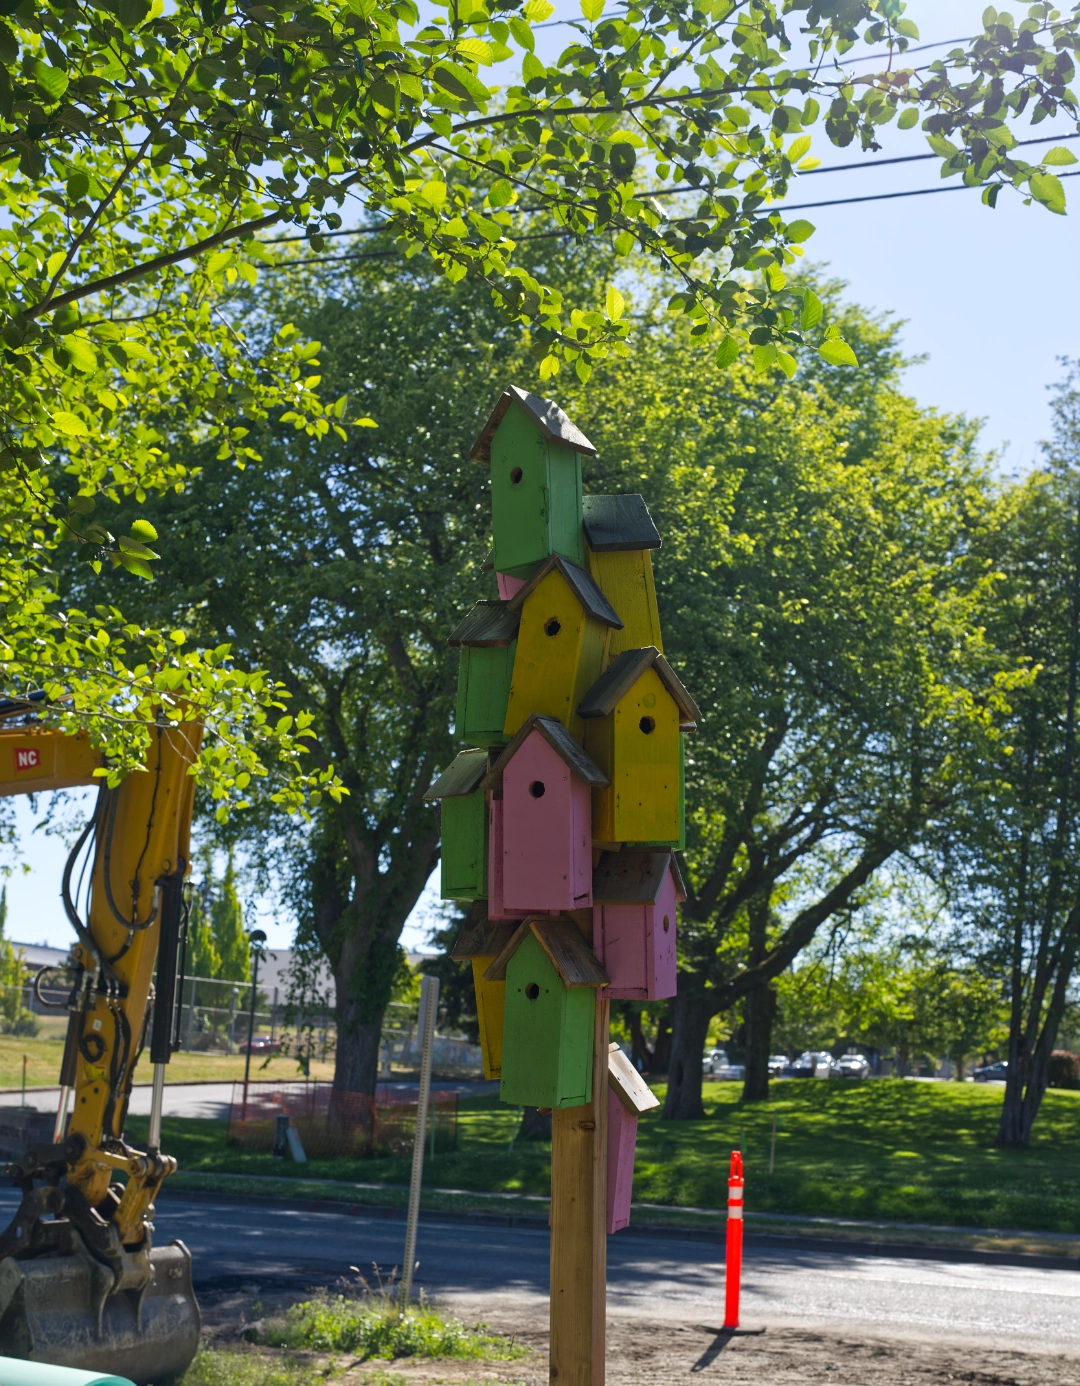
(480,943)
(620,534)
(562,642)
(633,716)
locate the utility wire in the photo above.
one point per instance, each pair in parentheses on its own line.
(552,235)
(690,187)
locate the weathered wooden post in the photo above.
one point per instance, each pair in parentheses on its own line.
(559,828)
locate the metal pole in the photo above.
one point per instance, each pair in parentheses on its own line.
(61,1115)
(157,1098)
(257,938)
(429,1005)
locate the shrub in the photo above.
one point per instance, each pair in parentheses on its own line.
(1064,1069)
(372,1326)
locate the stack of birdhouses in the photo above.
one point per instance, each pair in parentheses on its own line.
(560,824)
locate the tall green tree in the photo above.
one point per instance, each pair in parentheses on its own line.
(1012,847)
(821,598)
(147,149)
(227,929)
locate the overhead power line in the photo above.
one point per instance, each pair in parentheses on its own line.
(888,197)
(690,187)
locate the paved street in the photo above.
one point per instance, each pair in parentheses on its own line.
(473,1265)
(213,1099)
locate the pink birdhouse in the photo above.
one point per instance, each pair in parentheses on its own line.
(546,782)
(635,893)
(628,1096)
(496,905)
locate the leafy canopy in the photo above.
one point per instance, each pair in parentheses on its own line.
(145,147)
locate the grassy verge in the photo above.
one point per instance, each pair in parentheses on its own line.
(43,1055)
(322,1338)
(887,1151)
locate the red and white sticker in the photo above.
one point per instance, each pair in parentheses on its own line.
(27,758)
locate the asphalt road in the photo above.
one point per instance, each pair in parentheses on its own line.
(474,1264)
(477,1267)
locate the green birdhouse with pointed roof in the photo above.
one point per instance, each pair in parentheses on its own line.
(487,639)
(464,826)
(551,977)
(534,452)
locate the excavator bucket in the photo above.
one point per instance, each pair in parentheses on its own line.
(58,1309)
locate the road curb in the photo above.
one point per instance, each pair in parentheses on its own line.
(765,1240)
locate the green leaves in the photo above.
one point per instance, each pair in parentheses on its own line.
(592,9)
(51,80)
(614,304)
(837,353)
(812,311)
(1059,156)
(1047,189)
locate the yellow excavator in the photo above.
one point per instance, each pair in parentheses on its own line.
(81,1282)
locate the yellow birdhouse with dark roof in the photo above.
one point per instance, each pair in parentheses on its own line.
(620,534)
(561,645)
(633,716)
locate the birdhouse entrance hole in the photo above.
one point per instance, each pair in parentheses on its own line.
(552,627)
(536,789)
(515,477)
(532,991)
(667,923)
(647,725)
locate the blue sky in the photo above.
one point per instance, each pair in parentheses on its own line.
(992,298)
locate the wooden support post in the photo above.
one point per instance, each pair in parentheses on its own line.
(579,1227)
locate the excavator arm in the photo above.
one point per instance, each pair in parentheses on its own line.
(81,1283)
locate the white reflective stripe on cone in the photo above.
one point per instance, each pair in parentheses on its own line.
(735,1195)
(735,1212)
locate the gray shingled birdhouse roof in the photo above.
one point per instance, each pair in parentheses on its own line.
(614,524)
(621,675)
(460,777)
(488,625)
(560,740)
(583,586)
(567,951)
(634,877)
(545,413)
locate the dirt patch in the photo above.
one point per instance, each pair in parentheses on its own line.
(644,1352)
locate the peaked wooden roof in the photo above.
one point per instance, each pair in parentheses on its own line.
(629,1086)
(614,524)
(560,740)
(561,940)
(545,413)
(481,938)
(583,586)
(621,675)
(461,776)
(487,625)
(634,876)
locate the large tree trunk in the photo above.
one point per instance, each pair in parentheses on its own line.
(760,1006)
(690,1016)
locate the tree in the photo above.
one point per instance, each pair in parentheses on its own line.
(821,599)
(227,929)
(147,149)
(1011,848)
(343,565)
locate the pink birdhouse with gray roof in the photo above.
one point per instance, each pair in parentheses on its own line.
(544,781)
(634,898)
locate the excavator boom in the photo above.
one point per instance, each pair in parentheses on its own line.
(81,1283)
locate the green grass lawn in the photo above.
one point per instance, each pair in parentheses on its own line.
(909,1152)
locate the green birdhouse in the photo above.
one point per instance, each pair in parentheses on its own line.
(551,977)
(464,826)
(534,452)
(487,639)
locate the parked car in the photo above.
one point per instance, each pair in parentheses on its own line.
(815,1063)
(715,1063)
(991,1073)
(852,1066)
(262,1044)
(778,1065)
